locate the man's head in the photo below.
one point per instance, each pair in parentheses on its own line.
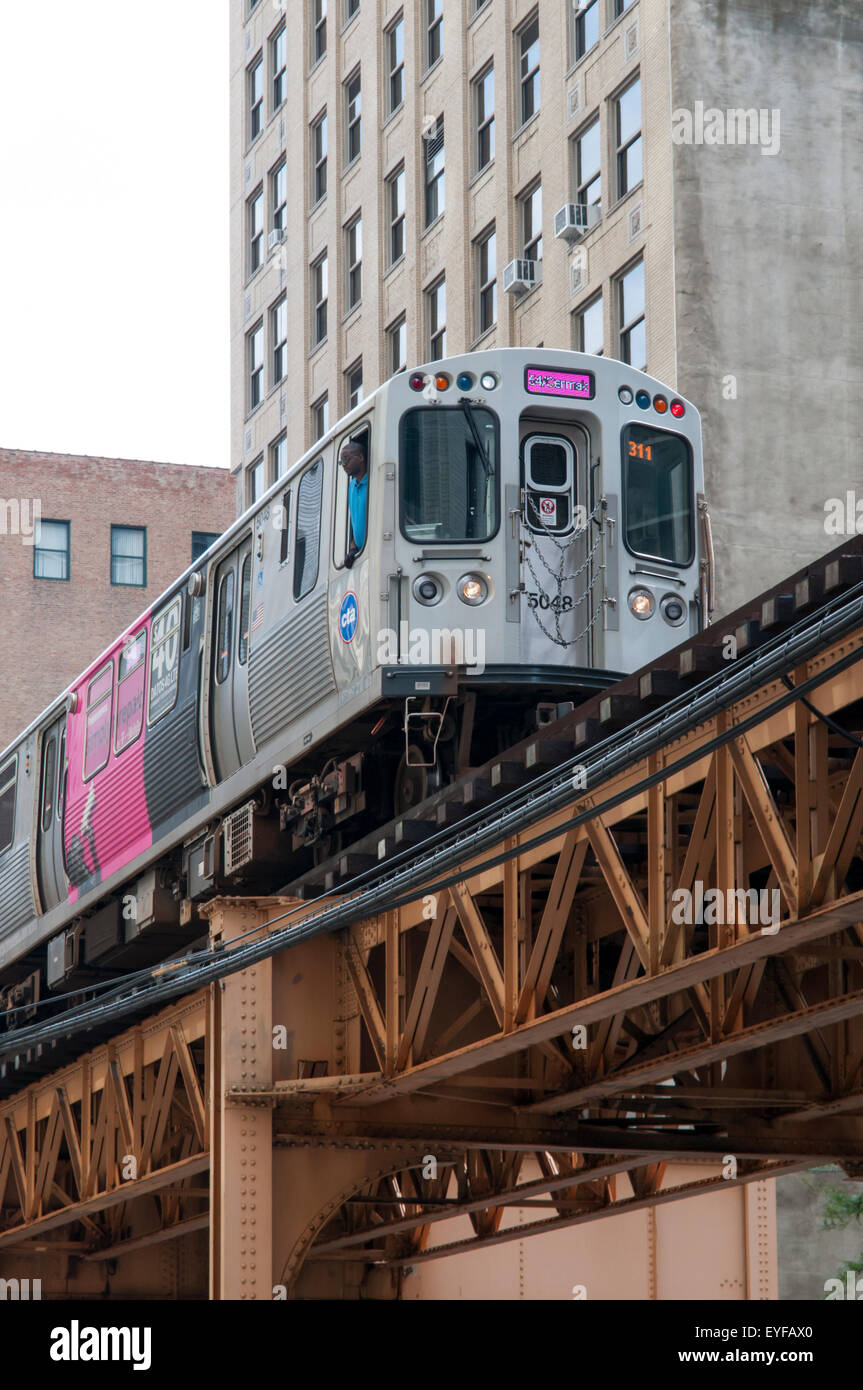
(353,458)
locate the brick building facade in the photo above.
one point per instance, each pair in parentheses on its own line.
(86,544)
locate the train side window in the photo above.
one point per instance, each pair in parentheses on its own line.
(225,627)
(61,779)
(549,476)
(8,784)
(308,545)
(343,537)
(97,739)
(284,524)
(131,676)
(245,606)
(49,768)
(164,660)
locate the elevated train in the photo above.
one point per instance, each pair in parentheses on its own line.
(536,528)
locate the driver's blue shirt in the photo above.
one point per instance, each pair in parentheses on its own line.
(358,493)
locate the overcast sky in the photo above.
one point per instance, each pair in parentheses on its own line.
(114,228)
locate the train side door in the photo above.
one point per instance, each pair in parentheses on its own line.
(52,795)
(230,727)
(557,536)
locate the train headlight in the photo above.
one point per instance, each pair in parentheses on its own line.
(673,609)
(472,589)
(488,381)
(428,589)
(642,604)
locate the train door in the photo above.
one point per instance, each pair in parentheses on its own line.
(558,543)
(230,726)
(52,796)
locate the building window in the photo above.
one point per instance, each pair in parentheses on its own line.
(255,365)
(255,222)
(279,338)
(436,317)
(531,223)
(528,68)
(484,107)
(320,290)
(279,458)
(351,8)
(354,261)
(397,338)
(479,5)
(319,30)
(321,416)
(279,196)
(587,324)
(51,550)
(485,250)
(619,6)
(633,335)
(395,38)
(585,28)
(129,556)
(255,481)
(353,117)
(435,192)
(434,31)
(201,542)
(255,94)
(628,135)
(588,178)
(396,203)
(354,384)
(278,63)
(319,158)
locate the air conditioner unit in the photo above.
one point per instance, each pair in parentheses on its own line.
(275,239)
(574,220)
(520,276)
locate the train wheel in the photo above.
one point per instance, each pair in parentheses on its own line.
(414,783)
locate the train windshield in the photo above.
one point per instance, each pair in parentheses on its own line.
(657,494)
(448,474)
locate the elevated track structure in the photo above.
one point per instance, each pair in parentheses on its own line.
(618,968)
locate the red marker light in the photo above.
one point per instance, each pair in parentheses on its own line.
(678,409)
(660,404)
(417,381)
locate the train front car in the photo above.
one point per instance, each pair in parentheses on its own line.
(544,539)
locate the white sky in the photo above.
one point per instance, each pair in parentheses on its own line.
(114,308)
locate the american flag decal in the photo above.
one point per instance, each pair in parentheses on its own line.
(257,617)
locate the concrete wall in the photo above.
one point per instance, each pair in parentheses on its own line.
(809,1255)
(769,272)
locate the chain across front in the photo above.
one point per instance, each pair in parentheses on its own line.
(559,577)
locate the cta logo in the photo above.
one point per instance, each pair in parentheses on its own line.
(349,616)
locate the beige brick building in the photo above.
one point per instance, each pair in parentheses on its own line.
(390,160)
(378,145)
(86,544)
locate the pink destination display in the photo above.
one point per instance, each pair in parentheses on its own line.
(543,381)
